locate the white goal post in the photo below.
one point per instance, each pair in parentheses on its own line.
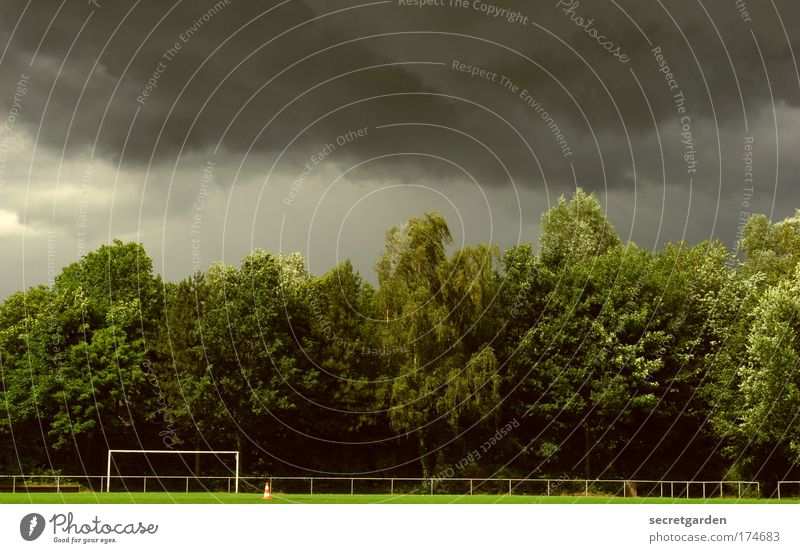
(149,451)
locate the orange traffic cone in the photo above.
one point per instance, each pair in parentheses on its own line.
(267,492)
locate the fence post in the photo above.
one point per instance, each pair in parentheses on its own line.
(470,487)
(13,484)
(312,485)
(391,492)
(661,485)
(58,484)
(144,489)
(586,490)
(758,489)
(431,486)
(548,488)
(351,486)
(704,490)
(187,484)
(779,491)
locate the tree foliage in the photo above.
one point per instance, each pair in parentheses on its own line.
(607,360)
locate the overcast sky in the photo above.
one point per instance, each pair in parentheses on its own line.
(206,129)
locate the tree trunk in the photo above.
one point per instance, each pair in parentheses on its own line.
(587,467)
(426,465)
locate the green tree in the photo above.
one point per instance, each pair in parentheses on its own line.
(771,249)
(436,309)
(587,368)
(26,383)
(685,288)
(102,320)
(103,387)
(770,377)
(575,230)
(249,379)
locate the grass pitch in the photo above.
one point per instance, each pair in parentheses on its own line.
(286,499)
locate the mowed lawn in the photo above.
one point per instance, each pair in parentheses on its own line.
(286,499)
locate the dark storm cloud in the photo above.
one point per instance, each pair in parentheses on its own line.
(252,77)
(215,79)
(195,98)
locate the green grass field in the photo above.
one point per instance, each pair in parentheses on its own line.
(284,499)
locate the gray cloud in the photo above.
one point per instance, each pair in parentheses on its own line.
(261,85)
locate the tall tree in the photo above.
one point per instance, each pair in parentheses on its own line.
(436,309)
(770,377)
(94,343)
(684,289)
(26,383)
(588,366)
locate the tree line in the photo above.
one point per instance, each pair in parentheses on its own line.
(598,358)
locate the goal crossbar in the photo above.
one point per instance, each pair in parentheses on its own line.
(186,452)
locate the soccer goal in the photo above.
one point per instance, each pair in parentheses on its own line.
(111,452)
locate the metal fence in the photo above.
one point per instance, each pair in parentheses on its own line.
(135,483)
(692,489)
(513,486)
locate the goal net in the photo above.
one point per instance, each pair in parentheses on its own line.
(187,461)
